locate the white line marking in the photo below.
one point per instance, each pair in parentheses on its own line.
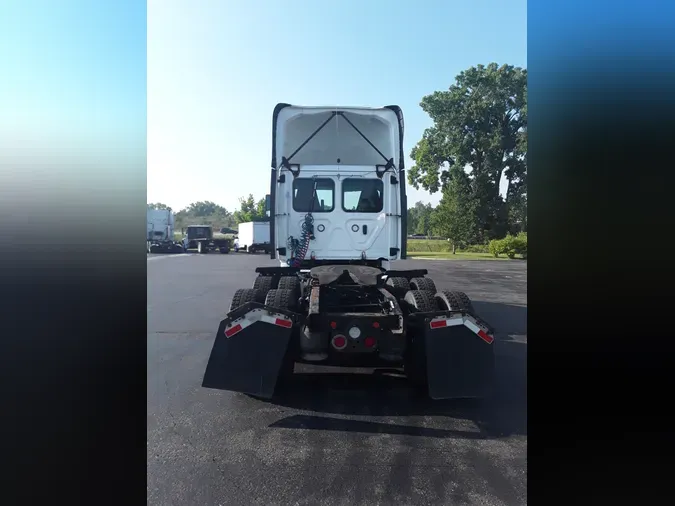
(169,255)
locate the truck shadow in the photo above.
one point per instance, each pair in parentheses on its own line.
(387,393)
(508,320)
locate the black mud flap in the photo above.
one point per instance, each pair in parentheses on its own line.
(249,350)
(459,356)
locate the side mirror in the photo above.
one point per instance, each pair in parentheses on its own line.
(267,204)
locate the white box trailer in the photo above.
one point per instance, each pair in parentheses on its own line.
(254,236)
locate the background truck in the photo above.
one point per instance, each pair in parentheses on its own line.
(254,236)
(200,237)
(338,218)
(160,230)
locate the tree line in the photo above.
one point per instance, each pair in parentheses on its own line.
(479,136)
(210,213)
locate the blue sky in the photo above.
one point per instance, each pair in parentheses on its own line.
(215,70)
(56,83)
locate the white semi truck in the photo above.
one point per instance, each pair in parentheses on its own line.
(160,232)
(338,218)
(254,236)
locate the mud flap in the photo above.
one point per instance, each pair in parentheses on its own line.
(459,356)
(249,350)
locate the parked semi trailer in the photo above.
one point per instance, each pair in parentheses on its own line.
(337,208)
(160,230)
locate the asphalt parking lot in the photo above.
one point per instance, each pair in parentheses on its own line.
(340,437)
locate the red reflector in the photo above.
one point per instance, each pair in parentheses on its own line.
(339,341)
(485,337)
(437,324)
(232,331)
(376,325)
(369,342)
(283,323)
(333,325)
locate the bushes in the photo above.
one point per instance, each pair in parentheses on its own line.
(510,246)
(477,248)
(496,247)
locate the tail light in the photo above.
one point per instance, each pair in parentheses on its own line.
(339,342)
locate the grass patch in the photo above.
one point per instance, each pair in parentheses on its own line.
(447,255)
(434,248)
(428,246)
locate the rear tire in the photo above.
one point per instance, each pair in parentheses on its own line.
(244,296)
(263,284)
(454,301)
(426,284)
(420,301)
(415,365)
(281,299)
(290,283)
(398,286)
(286,300)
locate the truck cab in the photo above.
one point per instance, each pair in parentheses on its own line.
(338,185)
(337,213)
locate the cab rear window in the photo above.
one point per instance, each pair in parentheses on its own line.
(306,199)
(361,195)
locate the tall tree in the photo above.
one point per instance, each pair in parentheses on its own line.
(455,215)
(250,210)
(480,126)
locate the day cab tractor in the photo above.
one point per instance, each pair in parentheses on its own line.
(200,237)
(337,207)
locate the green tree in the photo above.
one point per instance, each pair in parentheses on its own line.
(250,210)
(455,215)
(260,209)
(206,208)
(419,219)
(204,213)
(424,222)
(159,205)
(480,126)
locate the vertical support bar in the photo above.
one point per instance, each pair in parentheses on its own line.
(404,215)
(273,210)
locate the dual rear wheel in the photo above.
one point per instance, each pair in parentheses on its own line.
(421,300)
(420,296)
